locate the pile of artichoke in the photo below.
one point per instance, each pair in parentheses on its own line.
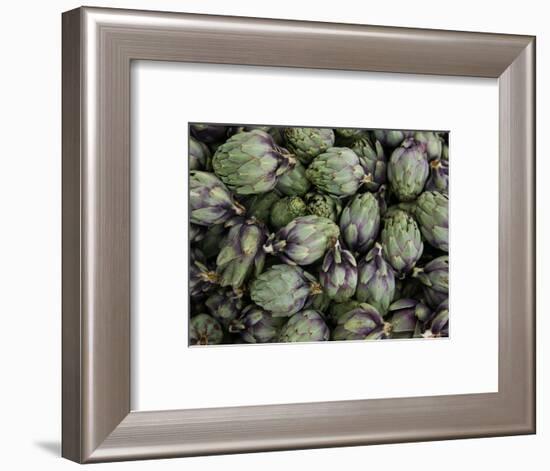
(314,234)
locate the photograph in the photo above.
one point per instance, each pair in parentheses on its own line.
(302,234)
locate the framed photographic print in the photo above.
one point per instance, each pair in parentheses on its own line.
(336,221)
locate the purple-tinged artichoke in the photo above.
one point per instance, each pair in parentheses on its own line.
(376,281)
(205,330)
(242,254)
(259,206)
(201,278)
(408,170)
(373,160)
(209,133)
(320,204)
(210,201)
(360,223)
(439,325)
(337,172)
(338,309)
(304,240)
(390,139)
(250,162)
(432,214)
(405,315)
(338,275)
(401,242)
(225,306)
(305,326)
(294,182)
(255,325)
(287,209)
(199,155)
(434,276)
(308,143)
(283,289)
(361,323)
(439,177)
(433,143)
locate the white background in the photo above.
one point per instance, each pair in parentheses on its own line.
(168,95)
(30,202)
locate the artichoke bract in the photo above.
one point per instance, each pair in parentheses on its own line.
(401,242)
(242,253)
(282,290)
(210,202)
(435,278)
(439,325)
(373,160)
(307,143)
(259,206)
(204,330)
(432,214)
(391,138)
(323,205)
(338,275)
(199,155)
(250,162)
(361,323)
(287,209)
(439,177)
(209,133)
(224,306)
(304,240)
(406,314)
(293,182)
(338,309)
(376,281)
(360,223)
(433,143)
(255,325)
(305,326)
(408,170)
(337,172)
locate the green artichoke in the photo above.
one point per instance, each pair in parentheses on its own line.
(225,306)
(305,326)
(213,239)
(434,276)
(373,160)
(320,204)
(401,242)
(433,143)
(204,330)
(432,214)
(250,162)
(376,282)
(287,209)
(294,182)
(360,223)
(242,254)
(349,135)
(408,170)
(255,325)
(338,309)
(391,139)
(199,155)
(304,240)
(283,289)
(338,275)
(259,206)
(361,323)
(210,201)
(337,172)
(308,143)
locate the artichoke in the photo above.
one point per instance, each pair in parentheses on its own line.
(337,172)
(209,133)
(204,330)
(362,323)
(199,155)
(304,240)
(432,142)
(307,143)
(196,233)
(225,306)
(391,138)
(360,223)
(323,205)
(242,253)
(376,281)
(373,160)
(401,242)
(294,182)
(287,209)
(349,135)
(435,278)
(250,162)
(406,315)
(214,238)
(259,206)
(201,278)
(432,214)
(256,325)
(338,309)
(210,201)
(439,177)
(305,326)
(338,274)
(439,325)
(283,290)
(408,170)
